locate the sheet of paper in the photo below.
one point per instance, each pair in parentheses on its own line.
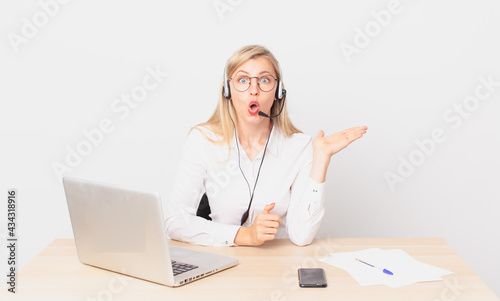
(406,269)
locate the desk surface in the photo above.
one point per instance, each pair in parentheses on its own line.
(268,272)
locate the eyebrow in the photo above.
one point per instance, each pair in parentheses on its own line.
(262,72)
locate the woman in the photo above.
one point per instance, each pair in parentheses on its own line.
(263,177)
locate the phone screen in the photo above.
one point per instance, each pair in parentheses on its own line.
(312,277)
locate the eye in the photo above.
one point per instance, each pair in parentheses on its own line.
(242,80)
(265,79)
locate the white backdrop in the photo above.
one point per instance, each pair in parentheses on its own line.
(424,76)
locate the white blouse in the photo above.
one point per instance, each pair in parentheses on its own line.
(284,180)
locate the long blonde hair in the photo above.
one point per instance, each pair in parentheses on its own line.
(220,123)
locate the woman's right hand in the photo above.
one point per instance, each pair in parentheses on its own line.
(264,228)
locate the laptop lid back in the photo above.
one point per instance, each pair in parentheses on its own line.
(119,229)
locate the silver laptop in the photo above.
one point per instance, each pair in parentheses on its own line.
(122,230)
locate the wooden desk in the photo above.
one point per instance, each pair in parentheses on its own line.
(268,272)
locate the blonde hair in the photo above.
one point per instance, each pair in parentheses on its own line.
(220,123)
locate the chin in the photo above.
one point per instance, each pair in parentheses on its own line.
(254,118)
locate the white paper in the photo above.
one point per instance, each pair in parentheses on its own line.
(406,270)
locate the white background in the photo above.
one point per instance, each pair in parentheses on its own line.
(429,57)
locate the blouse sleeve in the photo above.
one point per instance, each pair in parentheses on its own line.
(181,221)
(306,208)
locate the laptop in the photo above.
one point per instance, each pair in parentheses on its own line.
(122,230)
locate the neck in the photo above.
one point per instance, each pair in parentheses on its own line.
(253,135)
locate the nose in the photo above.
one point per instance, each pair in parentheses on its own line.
(254,88)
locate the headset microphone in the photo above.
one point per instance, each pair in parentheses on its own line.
(283,93)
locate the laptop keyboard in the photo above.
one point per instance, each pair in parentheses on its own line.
(179,267)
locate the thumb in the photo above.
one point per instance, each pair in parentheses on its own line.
(320,134)
(268,208)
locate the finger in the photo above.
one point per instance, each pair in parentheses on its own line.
(269,231)
(364,127)
(360,130)
(354,133)
(350,137)
(270,217)
(269,224)
(268,208)
(358,133)
(265,237)
(357,129)
(320,134)
(277,218)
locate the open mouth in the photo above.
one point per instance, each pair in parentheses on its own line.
(253,107)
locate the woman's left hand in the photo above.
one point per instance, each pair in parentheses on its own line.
(330,145)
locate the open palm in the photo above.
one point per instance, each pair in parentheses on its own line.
(330,145)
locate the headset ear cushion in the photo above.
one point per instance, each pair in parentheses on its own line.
(280,92)
(226,90)
(283,94)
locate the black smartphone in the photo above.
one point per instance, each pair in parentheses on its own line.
(312,277)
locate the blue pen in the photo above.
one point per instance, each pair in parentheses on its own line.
(383,270)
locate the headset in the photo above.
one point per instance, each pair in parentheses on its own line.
(280,92)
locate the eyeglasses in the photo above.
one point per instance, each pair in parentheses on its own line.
(266,82)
